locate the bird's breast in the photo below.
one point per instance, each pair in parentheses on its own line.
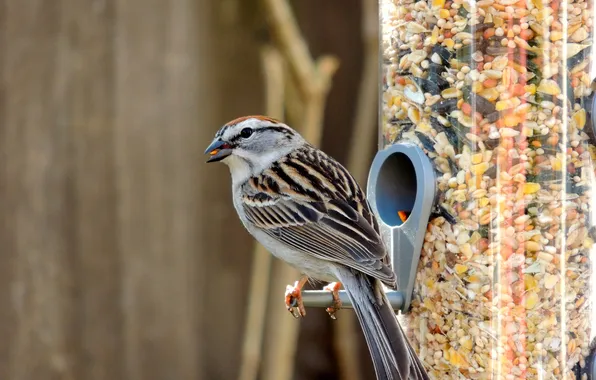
(304,262)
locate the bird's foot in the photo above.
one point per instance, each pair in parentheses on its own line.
(334,289)
(294,298)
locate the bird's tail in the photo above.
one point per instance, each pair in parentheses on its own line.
(393,357)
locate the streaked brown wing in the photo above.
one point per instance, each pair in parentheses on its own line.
(326,233)
(318,209)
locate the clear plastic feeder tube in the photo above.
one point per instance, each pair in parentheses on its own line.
(498,94)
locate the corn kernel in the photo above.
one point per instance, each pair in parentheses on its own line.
(477,158)
(549,86)
(429,304)
(556,35)
(466,343)
(457,359)
(477,87)
(509,103)
(480,168)
(459,268)
(506,79)
(423,127)
(573,28)
(531,300)
(531,88)
(414,115)
(531,187)
(434,35)
(532,246)
(444,13)
(511,120)
(490,94)
(502,105)
(429,283)
(436,4)
(580,118)
(519,68)
(473,279)
(528,132)
(530,282)
(466,250)
(449,43)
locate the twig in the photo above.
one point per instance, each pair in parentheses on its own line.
(273,70)
(282,335)
(294,106)
(314,110)
(285,30)
(363,132)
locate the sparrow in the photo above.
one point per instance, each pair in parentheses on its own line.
(307,210)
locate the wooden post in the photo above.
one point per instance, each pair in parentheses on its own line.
(115,252)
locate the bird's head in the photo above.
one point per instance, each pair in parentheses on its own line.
(250,144)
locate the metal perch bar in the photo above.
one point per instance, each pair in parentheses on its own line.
(323,298)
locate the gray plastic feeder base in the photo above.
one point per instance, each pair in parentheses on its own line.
(402,179)
(323,298)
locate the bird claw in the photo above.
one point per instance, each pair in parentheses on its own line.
(294,300)
(336,306)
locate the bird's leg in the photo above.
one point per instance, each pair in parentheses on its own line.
(294,297)
(334,289)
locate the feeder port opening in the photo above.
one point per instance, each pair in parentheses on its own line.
(396,189)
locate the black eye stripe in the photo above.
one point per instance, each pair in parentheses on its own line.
(283,130)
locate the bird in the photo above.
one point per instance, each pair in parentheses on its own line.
(306,209)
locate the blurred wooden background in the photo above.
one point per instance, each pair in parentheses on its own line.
(121,256)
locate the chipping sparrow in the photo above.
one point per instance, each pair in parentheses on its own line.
(306,209)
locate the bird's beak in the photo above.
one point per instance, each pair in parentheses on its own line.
(218,150)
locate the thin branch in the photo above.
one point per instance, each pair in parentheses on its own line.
(274,67)
(286,32)
(273,70)
(294,106)
(314,105)
(282,329)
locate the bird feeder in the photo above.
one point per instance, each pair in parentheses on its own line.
(484,183)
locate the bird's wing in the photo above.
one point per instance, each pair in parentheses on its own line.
(310,202)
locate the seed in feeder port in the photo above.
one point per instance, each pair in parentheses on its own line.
(403,215)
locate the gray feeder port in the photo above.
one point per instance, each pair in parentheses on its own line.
(402,178)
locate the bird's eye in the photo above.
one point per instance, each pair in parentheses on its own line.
(246,133)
